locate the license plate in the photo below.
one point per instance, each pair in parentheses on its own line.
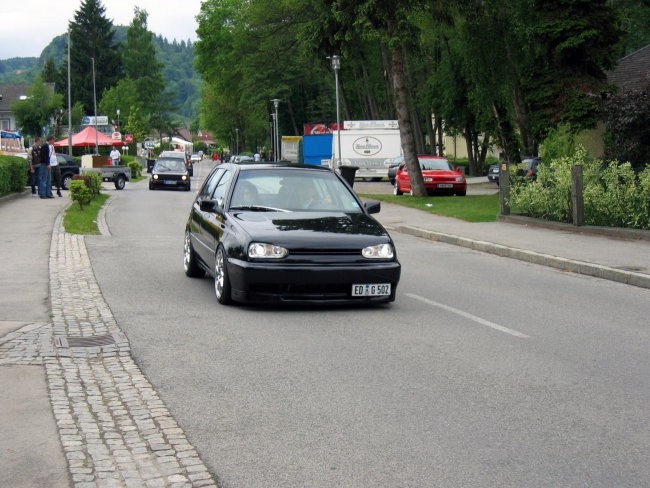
(169,182)
(428,179)
(373,290)
(445,185)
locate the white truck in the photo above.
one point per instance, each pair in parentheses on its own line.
(367,144)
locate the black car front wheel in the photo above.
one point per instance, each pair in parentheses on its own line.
(65,182)
(221,280)
(192,269)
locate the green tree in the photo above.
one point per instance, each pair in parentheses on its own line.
(122,97)
(35,114)
(141,64)
(92,43)
(386,22)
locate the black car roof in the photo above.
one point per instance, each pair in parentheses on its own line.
(280,164)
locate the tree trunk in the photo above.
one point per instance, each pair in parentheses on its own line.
(404,119)
(470,148)
(431,135)
(440,145)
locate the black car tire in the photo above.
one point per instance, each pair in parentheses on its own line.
(396,190)
(192,269)
(221,280)
(461,193)
(65,182)
(120,182)
(150,185)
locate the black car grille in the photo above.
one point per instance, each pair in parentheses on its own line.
(304,291)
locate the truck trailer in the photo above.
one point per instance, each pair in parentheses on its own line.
(367,145)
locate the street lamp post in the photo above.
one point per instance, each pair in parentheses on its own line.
(336,65)
(276,103)
(118,120)
(237,141)
(95,105)
(69,102)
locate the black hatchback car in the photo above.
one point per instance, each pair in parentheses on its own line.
(288,233)
(169,173)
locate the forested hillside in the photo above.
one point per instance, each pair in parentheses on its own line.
(177,57)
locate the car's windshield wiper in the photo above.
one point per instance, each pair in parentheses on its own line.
(258,208)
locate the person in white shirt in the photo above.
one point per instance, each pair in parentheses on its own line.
(54,164)
(115,156)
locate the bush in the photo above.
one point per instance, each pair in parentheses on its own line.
(81,191)
(613,195)
(13,174)
(136,169)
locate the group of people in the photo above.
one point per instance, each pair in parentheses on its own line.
(44,168)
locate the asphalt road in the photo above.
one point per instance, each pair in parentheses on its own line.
(485,372)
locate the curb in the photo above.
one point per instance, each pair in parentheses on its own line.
(580,267)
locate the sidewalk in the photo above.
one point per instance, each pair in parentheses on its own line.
(603,253)
(85,416)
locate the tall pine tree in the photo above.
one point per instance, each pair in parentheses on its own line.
(92,38)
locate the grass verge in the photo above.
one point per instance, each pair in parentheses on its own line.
(471,208)
(77,221)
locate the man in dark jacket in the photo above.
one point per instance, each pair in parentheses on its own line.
(34,164)
(45,175)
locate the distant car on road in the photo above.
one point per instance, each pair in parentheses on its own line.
(393,164)
(169,173)
(287,233)
(440,177)
(494,172)
(527,168)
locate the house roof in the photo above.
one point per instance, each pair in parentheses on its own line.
(205,136)
(12,92)
(633,71)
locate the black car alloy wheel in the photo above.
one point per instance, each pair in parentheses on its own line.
(192,269)
(221,281)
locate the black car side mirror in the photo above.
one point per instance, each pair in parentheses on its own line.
(372,207)
(208,205)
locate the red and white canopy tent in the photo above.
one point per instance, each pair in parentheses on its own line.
(89,137)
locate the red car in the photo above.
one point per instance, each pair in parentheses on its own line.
(439,177)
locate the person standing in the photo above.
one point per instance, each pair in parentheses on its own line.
(55,170)
(115,156)
(45,172)
(34,157)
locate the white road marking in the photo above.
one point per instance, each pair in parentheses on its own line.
(469,316)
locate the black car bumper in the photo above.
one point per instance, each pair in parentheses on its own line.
(169,183)
(309,284)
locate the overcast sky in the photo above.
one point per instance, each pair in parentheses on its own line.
(28,26)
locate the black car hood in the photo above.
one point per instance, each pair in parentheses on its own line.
(320,229)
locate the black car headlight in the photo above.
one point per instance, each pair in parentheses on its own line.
(261,250)
(155,177)
(380,251)
(184,177)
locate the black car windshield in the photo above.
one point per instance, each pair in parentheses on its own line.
(164,165)
(435,164)
(292,189)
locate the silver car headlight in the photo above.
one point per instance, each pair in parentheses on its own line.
(155,177)
(380,251)
(260,250)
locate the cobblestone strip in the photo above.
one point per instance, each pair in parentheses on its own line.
(114,429)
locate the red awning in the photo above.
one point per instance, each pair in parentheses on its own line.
(88,138)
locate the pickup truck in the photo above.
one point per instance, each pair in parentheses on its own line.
(119,175)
